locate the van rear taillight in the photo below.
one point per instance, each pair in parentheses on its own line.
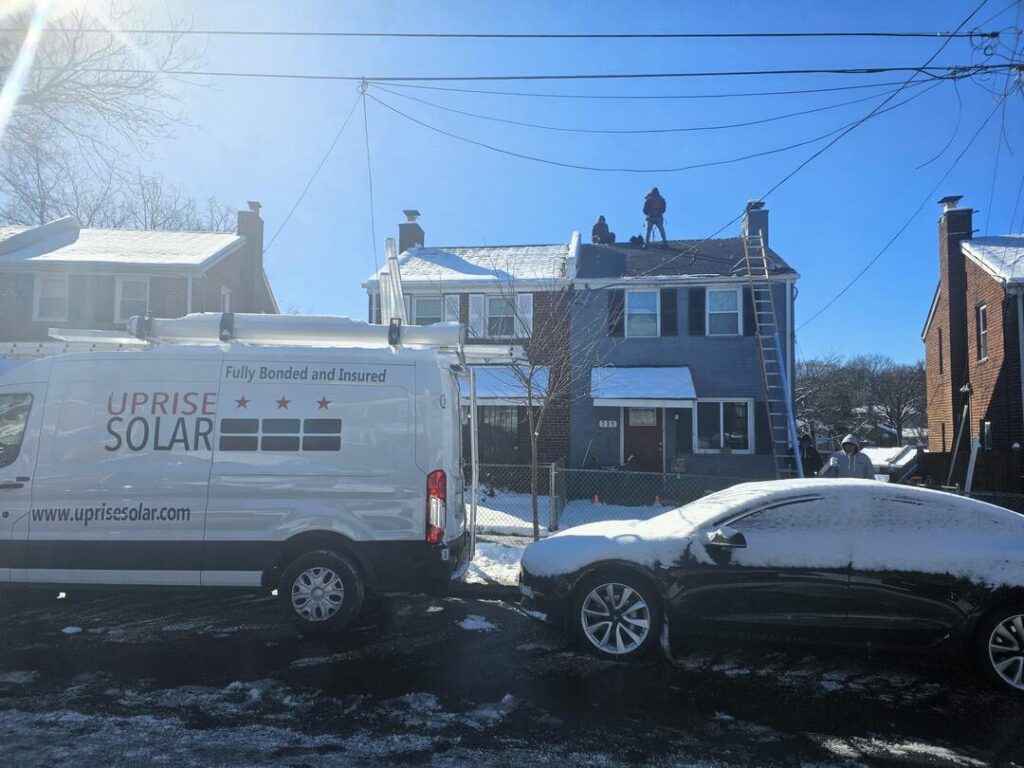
(437,508)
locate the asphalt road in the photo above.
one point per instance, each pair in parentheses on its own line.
(158,679)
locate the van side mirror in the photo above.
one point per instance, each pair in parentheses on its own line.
(726,538)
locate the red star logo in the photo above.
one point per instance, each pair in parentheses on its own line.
(241,402)
(283,403)
(322,403)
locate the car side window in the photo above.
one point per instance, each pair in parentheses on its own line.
(798,514)
(13,418)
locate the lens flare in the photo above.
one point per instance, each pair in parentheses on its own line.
(16,78)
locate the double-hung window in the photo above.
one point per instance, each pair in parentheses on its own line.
(981,323)
(501,317)
(723,310)
(131,298)
(641,313)
(51,298)
(428,310)
(723,424)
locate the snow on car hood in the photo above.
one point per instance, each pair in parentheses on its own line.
(661,539)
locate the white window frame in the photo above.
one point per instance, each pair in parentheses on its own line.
(657,313)
(721,424)
(487,316)
(416,308)
(225,299)
(37,285)
(708,313)
(118,285)
(980,315)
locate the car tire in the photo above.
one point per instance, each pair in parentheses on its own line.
(633,609)
(999,647)
(321,592)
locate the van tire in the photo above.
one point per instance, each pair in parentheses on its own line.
(321,592)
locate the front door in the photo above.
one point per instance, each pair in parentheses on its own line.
(21,408)
(642,439)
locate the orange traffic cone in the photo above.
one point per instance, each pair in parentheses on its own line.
(597,499)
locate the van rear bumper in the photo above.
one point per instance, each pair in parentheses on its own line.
(415,566)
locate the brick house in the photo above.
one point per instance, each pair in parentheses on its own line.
(514,294)
(667,371)
(973,339)
(60,275)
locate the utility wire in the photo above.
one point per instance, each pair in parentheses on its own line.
(312,178)
(517,35)
(909,221)
(369,176)
(632,131)
(602,169)
(934,72)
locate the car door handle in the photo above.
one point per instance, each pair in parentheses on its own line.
(9,486)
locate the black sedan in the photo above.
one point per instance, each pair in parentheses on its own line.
(844,561)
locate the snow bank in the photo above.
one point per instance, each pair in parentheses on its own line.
(509,513)
(494,564)
(814,524)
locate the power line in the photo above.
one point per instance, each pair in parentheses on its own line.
(601,169)
(934,72)
(629,131)
(517,35)
(909,221)
(369,175)
(312,178)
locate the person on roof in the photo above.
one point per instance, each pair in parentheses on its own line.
(810,459)
(599,233)
(654,210)
(849,462)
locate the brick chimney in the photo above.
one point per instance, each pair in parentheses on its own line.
(955,225)
(409,232)
(755,219)
(250,226)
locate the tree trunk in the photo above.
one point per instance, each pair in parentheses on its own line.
(534,474)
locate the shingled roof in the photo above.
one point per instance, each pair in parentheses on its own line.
(692,258)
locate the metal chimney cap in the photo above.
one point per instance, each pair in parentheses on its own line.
(755,205)
(411,214)
(950,201)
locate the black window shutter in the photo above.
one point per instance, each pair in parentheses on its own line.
(696,302)
(616,313)
(749,321)
(669,312)
(24,286)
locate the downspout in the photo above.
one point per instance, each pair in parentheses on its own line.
(1020,346)
(188,295)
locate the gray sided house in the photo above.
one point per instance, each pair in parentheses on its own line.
(667,374)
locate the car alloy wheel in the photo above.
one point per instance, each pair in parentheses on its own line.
(615,619)
(317,594)
(1006,651)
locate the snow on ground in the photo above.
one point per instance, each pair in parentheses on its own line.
(510,513)
(475,623)
(495,563)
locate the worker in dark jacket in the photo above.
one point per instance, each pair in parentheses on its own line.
(599,233)
(654,210)
(810,459)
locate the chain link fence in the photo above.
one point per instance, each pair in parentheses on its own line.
(505,505)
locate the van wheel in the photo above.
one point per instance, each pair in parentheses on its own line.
(321,592)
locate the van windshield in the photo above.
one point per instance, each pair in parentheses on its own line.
(13,417)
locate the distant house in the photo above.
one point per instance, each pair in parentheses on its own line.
(61,275)
(973,338)
(667,371)
(503,294)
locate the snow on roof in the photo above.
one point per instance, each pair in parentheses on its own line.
(64,242)
(498,262)
(501,384)
(1002,255)
(612,385)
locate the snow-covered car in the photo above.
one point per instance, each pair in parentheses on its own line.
(834,560)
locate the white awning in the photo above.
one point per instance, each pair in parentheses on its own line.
(648,387)
(505,385)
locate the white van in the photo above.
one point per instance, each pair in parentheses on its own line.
(318,472)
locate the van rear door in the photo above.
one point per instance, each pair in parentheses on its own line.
(21,409)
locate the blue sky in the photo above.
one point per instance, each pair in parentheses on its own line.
(262,139)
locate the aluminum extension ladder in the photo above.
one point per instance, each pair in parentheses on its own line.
(778,395)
